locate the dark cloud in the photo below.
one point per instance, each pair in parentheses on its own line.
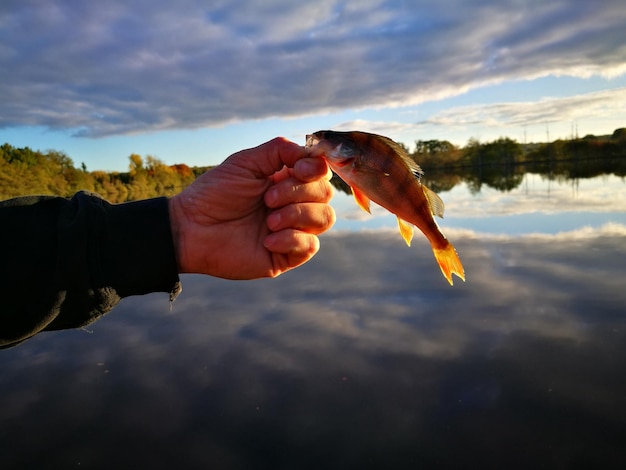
(124,67)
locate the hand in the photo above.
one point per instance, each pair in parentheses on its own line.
(257,214)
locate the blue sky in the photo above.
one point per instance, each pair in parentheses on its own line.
(194,81)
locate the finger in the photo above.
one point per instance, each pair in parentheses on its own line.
(281,175)
(292,191)
(290,250)
(312,218)
(298,246)
(270,157)
(307,170)
(311,169)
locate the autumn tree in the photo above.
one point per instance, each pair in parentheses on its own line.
(136,165)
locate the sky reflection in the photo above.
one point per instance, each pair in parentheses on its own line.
(363,358)
(537,205)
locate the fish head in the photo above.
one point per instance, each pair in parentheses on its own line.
(338,149)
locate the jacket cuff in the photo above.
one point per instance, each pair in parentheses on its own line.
(140,256)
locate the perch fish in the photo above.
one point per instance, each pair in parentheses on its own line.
(377,168)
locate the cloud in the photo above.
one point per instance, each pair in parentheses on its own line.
(132,67)
(547,110)
(508,115)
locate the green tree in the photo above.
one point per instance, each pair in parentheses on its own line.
(432,154)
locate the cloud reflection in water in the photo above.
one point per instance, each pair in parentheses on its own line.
(365,357)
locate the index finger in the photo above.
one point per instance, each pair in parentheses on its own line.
(270,157)
(312,169)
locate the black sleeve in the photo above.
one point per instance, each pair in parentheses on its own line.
(65,263)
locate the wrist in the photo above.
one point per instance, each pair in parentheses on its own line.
(176,214)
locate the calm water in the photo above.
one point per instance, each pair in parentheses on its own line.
(364,358)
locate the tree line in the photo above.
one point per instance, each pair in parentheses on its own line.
(500,164)
(437,154)
(26,171)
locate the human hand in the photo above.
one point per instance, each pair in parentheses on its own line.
(257,214)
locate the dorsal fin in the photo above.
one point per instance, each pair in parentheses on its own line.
(436,204)
(400,152)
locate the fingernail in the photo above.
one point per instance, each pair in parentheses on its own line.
(271,196)
(270,242)
(273,220)
(308,167)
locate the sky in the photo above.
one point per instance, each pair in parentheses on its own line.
(194,81)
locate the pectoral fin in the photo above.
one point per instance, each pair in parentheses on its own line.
(434,201)
(406,230)
(361,199)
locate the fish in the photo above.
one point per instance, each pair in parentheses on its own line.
(378,169)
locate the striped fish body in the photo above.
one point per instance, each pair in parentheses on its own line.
(378,169)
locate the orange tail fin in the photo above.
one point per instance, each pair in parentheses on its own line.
(449,262)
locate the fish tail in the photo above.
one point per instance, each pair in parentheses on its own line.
(449,262)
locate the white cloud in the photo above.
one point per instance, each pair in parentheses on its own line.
(547,110)
(146,66)
(506,115)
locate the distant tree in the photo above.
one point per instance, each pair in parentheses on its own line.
(431,147)
(619,134)
(199,170)
(136,164)
(471,152)
(432,154)
(59,159)
(502,151)
(183,170)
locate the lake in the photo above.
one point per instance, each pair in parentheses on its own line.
(363,358)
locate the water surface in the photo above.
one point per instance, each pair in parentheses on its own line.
(363,358)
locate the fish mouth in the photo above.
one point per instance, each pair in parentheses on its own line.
(317,147)
(321,147)
(311,140)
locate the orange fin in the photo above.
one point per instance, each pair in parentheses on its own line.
(449,262)
(361,199)
(406,230)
